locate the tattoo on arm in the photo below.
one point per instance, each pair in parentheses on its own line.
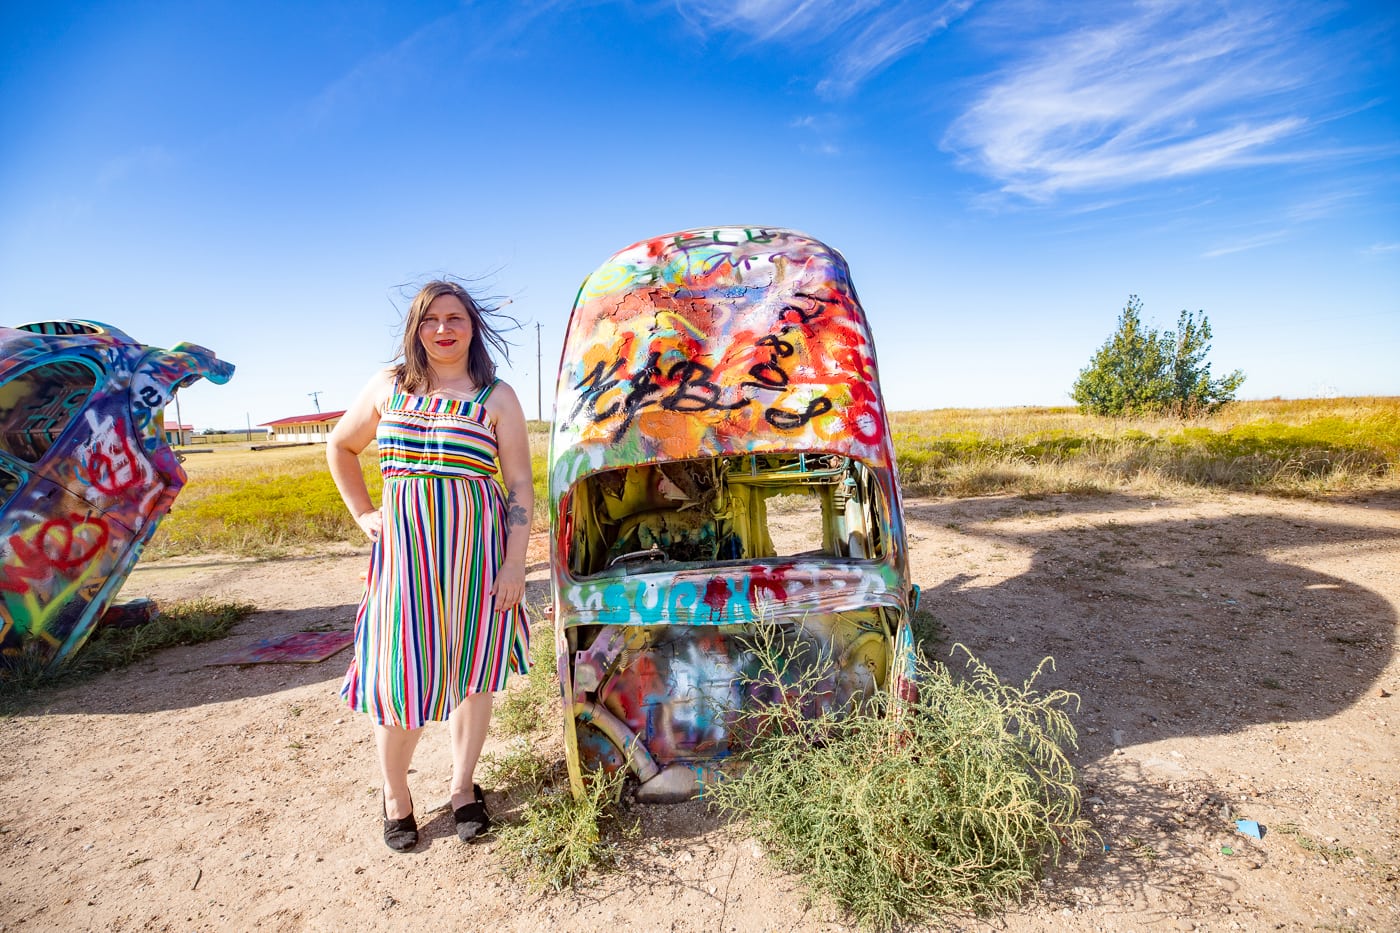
(515,512)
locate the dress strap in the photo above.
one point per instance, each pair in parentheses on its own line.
(485,393)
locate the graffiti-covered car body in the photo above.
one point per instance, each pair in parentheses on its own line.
(85,472)
(720,461)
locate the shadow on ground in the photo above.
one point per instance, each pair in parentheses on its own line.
(1163,627)
(184,677)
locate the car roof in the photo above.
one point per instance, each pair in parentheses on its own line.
(713,342)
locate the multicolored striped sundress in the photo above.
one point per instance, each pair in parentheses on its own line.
(427,634)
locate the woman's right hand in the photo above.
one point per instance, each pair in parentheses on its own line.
(371,523)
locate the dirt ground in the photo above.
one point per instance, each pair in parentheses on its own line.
(1235,655)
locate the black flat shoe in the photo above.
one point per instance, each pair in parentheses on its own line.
(473,822)
(399,835)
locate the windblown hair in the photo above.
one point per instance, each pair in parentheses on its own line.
(413,373)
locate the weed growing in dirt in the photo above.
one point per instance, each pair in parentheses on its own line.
(1332,853)
(561,838)
(533,706)
(519,768)
(899,811)
(928,629)
(189,622)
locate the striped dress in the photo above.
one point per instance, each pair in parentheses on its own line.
(427,634)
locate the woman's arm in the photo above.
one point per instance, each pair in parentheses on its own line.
(352,435)
(514,451)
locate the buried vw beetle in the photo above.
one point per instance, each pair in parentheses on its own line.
(720,463)
(85,473)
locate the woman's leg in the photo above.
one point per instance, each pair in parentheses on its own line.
(468,724)
(396,745)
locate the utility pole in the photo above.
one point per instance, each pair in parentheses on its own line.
(539,376)
(316,397)
(179,422)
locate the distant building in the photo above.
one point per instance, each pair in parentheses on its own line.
(179,435)
(303,428)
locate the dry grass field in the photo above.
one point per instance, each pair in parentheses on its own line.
(273,502)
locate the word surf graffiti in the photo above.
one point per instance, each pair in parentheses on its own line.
(85,472)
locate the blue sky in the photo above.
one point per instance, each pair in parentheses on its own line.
(262,178)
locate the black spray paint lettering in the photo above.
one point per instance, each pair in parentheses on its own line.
(790,420)
(693,388)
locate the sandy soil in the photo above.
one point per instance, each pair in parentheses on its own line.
(1236,657)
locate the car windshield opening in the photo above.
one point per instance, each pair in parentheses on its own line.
(707,511)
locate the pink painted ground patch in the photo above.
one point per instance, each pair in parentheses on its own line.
(292,648)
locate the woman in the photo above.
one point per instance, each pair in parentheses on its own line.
(441,624)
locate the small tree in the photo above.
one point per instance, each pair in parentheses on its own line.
(1128,375)
(1193,391)
(1138,371)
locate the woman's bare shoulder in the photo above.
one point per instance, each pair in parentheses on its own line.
(503,405)
(504,390)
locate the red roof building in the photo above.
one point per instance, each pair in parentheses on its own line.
(302,429)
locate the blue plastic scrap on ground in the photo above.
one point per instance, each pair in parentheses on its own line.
(1250,828)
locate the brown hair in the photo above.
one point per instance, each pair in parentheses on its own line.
(413,373)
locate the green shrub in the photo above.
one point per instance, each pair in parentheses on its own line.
(953,802)
(1139,371)
(560,838)
(533,706)
(518,768)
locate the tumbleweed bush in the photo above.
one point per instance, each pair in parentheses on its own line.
(897,811)
(560,838)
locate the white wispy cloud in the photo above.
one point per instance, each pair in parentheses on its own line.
(1381,249)
(396,66)
(890,35)
(770,20)
(378,73)
(873,33)
(1174,89)
(1289,217)
(1321,204)
(1258,241)
(144,159)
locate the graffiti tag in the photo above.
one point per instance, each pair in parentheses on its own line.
(690,385)
(60,544)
